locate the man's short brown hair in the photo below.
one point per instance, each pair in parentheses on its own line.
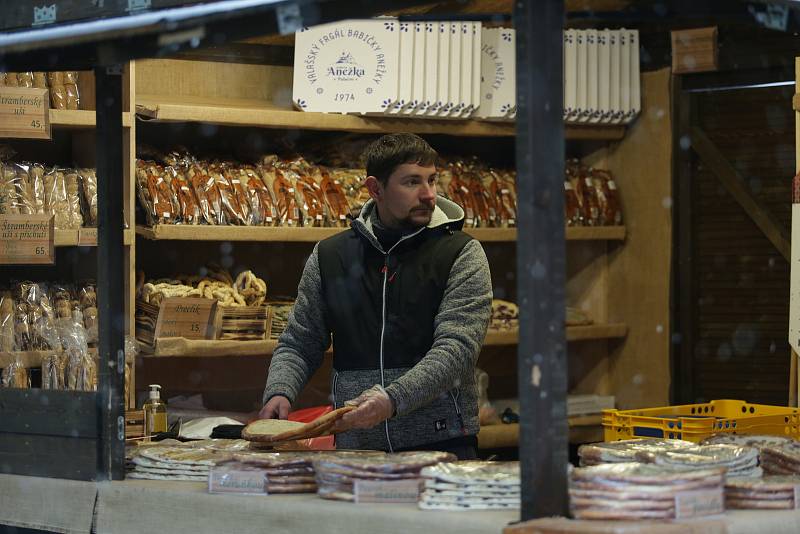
(384,155)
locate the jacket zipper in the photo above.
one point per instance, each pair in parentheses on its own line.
(335,379)
(458,412)
(383,320)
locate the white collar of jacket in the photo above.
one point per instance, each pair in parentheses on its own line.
(445,212)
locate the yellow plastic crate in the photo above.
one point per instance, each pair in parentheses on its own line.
(695,422)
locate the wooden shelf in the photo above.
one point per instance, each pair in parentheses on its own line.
(203,232)
(29,359)
(70,238)
(257,113)
(81,118)
(199,348)
(574,333)
(502,436)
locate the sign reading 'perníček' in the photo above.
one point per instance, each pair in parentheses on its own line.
(24,112)
(190,318)
(26,239)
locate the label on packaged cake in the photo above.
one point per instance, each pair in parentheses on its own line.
(387,491)
(698,503)
(797,497)
(236,480)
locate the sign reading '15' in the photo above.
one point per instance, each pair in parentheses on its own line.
(190,318)
(24,112)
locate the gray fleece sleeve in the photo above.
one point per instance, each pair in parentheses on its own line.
(459,330)
(302,345)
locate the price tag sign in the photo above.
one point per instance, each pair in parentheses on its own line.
(87,237)
(190,318)
(24,112)
(699,503)
(26,239)
(387,491)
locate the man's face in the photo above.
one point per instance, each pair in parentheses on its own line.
(409,196)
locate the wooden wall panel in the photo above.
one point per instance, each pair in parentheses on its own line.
(741,280)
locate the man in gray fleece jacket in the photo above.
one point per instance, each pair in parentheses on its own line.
(406,296)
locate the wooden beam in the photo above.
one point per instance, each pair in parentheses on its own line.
(769,225)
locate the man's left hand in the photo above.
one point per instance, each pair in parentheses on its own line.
(373,406)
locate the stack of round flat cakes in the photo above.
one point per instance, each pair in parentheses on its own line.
(635,490)
(738,461)
(284,472)
(175,463)
(768,493)
(337,475)
(626,450)
(471,485)
(781,459)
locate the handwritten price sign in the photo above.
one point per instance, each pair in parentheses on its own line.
(24,113)
(26,239)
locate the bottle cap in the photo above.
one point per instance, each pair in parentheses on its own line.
(155,391)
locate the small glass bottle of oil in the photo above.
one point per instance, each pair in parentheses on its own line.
(155,412)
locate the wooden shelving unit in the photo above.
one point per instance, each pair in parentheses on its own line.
(257,113)
(312,235)
(80,119)
(71,238)
(574,333)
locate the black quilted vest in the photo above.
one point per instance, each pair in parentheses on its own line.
(413,275)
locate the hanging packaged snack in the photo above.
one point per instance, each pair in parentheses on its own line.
(54,371)
(459,193)
(25,199)
(285,200)
(40,80)
(72,186)
(88,179)
(188,206)
(25,79)
(11,79)
(8,190)
(485,207)
(232,213)
(7,339)
(313,200)
(239,192)
(16,375)
(608,198)
(262,203)
(335,199)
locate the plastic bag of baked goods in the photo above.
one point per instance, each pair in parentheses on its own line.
(40,80)
(7,341)
(15,375)
(354,187)
(238,189)
(188,207)
(155,193)
(608,198)
(230,205)
(55,198)
(88,305)
(263,211)
(24,196)
(335,199)
(206,192)
(81,368)
(11,79)
(72,187)
(73,98)
(25,79)
(9,204)
(458,192)
(2,79)
(313,202)
(88,178)
(284,190)
(36,174)
(40,321)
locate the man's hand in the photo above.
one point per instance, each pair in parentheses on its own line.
(373,406)
(275,408)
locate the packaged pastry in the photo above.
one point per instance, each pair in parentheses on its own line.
(335,199)
(89,193)
(73,100)
(72,187)
(485,208)
(155,193)
(313,202)
(230,205)
(572,206)
(54,371)
(25,198)
(237,181)
(56,201)
(264,212)
(55,78)
(11,79)
(459,193)
(2,79)
(608,198)
(7,341)
(8,190)
(355,189)
(40,80)
(504,200)
(15,375)
(58,96)
(285,200)
(25,79)
(207,193)
(188,208)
